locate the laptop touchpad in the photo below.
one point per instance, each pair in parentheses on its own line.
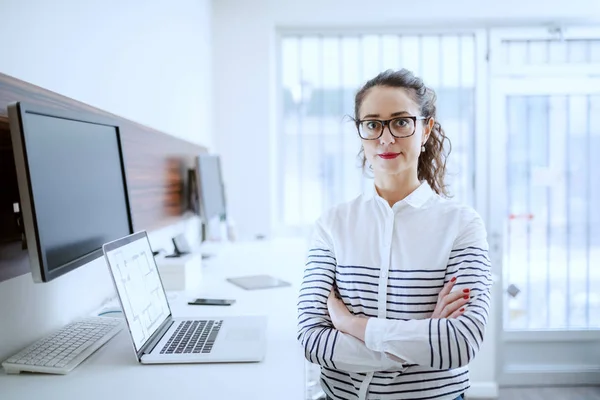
(243,334)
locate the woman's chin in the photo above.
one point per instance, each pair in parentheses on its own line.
(390,166)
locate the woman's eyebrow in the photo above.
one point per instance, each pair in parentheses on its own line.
(395,114)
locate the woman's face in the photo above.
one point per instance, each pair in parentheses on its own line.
(389,154)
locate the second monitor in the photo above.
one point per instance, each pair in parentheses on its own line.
(210,187)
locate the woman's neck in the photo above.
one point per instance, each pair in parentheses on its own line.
(393,188)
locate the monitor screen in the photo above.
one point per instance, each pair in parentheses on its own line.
(210,185)
(72,168)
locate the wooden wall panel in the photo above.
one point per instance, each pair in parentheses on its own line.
(156,165)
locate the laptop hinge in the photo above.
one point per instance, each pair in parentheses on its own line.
(154,339)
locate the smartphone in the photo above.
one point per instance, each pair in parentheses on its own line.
(211,302)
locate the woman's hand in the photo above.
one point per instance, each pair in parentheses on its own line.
(343,320)
(451,305)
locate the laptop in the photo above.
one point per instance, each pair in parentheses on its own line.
(160,338)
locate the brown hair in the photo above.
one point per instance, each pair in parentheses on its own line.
(432,162)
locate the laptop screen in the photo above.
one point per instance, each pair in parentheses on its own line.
(138,285)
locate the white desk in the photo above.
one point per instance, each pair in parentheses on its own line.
(113,372)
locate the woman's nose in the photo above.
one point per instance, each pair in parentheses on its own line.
(387,137)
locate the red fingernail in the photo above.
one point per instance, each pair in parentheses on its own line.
(453,279)
(465,290)
(466,297)
(462,309)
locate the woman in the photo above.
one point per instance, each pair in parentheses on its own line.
(396,290)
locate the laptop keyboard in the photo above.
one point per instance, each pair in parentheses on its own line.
(193,337)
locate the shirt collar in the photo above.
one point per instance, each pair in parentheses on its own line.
(416,199)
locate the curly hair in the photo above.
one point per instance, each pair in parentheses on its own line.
(432,162)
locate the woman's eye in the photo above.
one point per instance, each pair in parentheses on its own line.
(372,125)
(401,122)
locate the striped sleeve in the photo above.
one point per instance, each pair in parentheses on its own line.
(445,343)
(323,344)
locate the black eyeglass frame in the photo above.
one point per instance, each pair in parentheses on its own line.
(386,122)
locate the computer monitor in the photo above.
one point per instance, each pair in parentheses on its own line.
(72,186)
(209,181)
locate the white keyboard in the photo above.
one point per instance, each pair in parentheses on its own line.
(63,350)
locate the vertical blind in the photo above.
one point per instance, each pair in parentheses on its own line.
(320,74)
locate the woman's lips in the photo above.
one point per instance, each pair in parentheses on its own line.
(388,156)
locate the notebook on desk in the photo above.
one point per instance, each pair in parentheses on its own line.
(160,338)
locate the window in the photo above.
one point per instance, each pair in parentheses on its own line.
(320,75)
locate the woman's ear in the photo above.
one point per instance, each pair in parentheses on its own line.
(428,130)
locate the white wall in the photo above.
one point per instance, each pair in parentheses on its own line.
(245,61)
(148,61)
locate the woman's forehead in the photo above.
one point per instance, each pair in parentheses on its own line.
(385,100)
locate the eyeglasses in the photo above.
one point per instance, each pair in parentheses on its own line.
(401,127)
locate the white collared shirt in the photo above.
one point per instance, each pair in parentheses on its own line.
(389,264)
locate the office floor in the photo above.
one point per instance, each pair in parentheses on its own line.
(562,393)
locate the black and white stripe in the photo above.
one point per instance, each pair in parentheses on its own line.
(314,323)
(420,357)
